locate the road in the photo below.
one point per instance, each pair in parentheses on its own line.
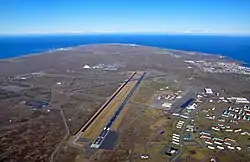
(181,142)
(182,132)
(52,156)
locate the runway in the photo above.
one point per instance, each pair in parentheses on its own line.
(106,104)
(105,132)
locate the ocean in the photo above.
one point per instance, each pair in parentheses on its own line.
(235,47)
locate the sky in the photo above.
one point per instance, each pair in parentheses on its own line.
(124,16)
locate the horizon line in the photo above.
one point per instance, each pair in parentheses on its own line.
(126,33)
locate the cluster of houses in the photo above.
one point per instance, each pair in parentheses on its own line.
(227,128)
(235,100)
(192,106)
(232,115)
(179,124)
(170,151)
(190,128)
(211,117)
(168,98)
(220,67)
(237,113)
(213,143)
(238,100)
(176,139)
(181,115)
(106,67)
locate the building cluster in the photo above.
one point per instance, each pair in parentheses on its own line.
(192,106)
(106,67)
(168,98)
(62,49)
(190,128)
(28,76)
(144,156)
(238,100)
(179,124)
(211,117)
(187,137)
(220,127)
(221,123)
(234,114)
(176,139)
(237,114)
(220,67)
(181,115)
(170,151)
(223,99)
(187,103)
(227,128)
(218,143)
(208,91)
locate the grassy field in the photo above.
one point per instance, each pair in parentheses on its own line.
(120,118)
(125,109)
(144,95)
(158,124)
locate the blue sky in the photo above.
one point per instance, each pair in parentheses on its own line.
(124,16)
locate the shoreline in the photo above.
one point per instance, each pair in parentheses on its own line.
(240,62)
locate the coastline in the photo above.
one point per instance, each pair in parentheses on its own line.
(218,56)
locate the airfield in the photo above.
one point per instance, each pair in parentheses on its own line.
(108,118)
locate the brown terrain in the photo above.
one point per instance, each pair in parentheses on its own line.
(71,94)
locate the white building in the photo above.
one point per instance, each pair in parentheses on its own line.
(192,107)
(226,143)
(176,140)
(218,143)
(144,156)
(238,148)
(86,67)
(208,91)
(175,143)
(176,135)
(166,105)
(216,128)
(209,143)
(211,147)
(176,114)
(237,130)
(230,147)
(205,133)
(220,147)
(184,116)
(239,100)
(229,130)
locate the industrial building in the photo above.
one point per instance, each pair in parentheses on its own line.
(208,91)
